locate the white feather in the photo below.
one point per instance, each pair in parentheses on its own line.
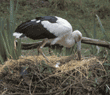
(59,28)
(17,35)
(57,64)
(68,40)
(33,20)
(37,21)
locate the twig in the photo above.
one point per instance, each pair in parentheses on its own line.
(107,86)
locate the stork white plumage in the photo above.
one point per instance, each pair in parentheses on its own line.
(53,30)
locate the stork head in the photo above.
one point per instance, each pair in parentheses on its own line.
(77,35)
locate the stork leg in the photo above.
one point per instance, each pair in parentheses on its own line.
(15,44)
(40,48)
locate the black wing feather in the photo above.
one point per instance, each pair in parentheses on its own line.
(35,30)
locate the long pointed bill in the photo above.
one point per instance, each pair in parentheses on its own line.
(79,49)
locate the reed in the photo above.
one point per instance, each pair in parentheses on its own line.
(7,27)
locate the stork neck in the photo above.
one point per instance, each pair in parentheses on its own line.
(74,36)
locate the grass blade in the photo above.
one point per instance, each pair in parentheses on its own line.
(102,28)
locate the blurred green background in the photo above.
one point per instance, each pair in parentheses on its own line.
(80,13)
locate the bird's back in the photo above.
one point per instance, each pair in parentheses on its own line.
(44,27)
(34,29)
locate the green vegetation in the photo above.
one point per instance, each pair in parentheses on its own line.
(7,27)
(80,13)
(91,17)
(75,11)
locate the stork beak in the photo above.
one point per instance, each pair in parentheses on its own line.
(79,55)
(79,49)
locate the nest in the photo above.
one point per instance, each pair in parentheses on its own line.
(33,75)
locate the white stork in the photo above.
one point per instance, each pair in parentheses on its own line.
(53,30)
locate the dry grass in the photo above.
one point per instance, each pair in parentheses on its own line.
(40,77)
(65,66)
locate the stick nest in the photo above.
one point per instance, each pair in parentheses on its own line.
(33,75)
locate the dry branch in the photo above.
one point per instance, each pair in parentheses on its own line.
(84,40)
(97,42)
